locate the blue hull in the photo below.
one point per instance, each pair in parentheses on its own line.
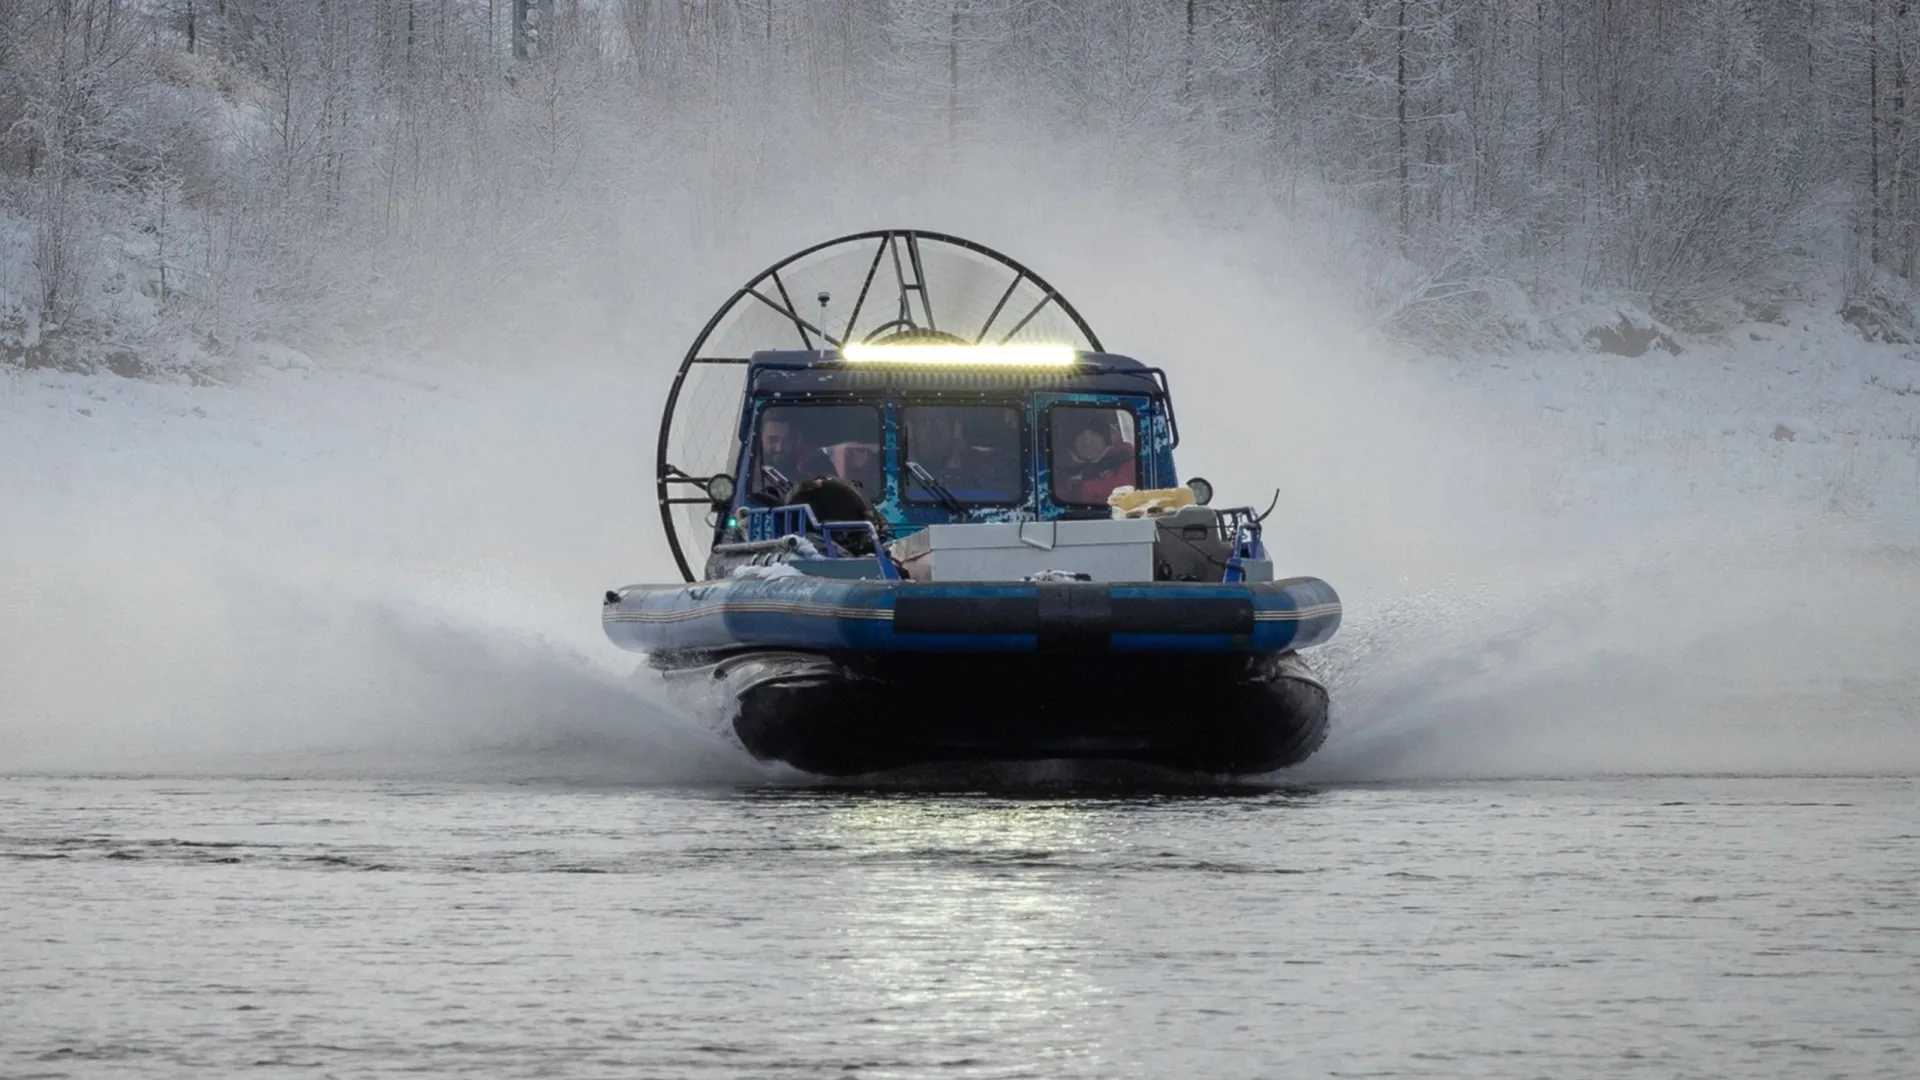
(875,617)
(848,676)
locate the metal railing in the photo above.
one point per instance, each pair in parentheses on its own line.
(1240,525)
(768,523)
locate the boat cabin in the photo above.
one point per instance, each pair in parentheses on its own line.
(949,434)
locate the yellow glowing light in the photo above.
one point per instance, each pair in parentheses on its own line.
(963,355)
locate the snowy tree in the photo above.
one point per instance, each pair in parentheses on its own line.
(1475,170)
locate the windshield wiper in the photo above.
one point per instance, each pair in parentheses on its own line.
(777,484)
(935,487)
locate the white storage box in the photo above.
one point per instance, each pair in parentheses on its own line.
(1104,549)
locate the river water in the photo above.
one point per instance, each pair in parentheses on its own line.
(1659,927)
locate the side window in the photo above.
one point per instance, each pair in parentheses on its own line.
(795,443)
(1091,450)
(974,454)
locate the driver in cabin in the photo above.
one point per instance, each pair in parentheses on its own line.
(780,453)
(1091,463)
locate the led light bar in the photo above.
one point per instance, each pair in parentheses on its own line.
(963,355)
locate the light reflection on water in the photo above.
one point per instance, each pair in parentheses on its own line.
(1625,927)
(975,890)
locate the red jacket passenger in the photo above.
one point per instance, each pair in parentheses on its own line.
(1092,467)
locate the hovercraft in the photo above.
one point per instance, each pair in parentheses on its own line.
(924,516)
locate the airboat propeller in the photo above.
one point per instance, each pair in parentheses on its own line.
(886,287)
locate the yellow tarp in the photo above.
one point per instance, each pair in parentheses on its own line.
(1131,502)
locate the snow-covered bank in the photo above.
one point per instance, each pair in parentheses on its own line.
(1804,417)
(1553,563)
(1696,563)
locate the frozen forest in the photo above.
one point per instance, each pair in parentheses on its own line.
(181,176)
(1579,337)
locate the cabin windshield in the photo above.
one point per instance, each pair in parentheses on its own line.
(972,454)
(1091,451)
(796,443)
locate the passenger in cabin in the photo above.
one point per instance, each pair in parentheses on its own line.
(1088,461)
(858,463)
(934,445)
(972,451)
(993,440)
(930,441)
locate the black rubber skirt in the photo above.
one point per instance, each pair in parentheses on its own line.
(840,716)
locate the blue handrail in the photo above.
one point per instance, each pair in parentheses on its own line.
(1243,524)
(774,522)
